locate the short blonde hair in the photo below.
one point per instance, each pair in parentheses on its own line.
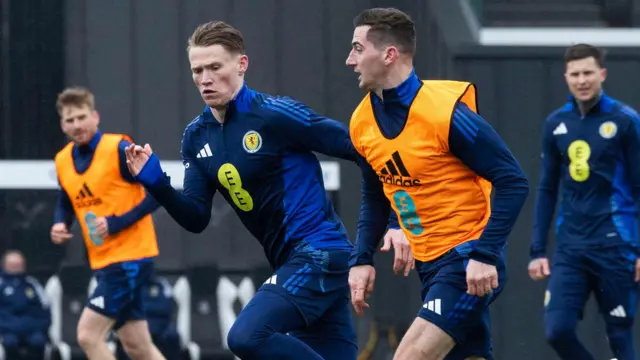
(76,96)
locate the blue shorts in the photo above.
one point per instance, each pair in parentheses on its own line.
(316,282)
(119,293)
(607,272)
(447,305)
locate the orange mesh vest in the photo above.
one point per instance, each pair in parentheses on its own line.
(101,191)
(440,202)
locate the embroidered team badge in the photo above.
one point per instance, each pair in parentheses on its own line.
(252,141)
(608,129)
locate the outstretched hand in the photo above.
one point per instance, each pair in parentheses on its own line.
(137,157)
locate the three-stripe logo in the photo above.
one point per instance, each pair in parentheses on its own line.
(205,152)
(85,197)
(396,173)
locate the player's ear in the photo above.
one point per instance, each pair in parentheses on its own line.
(603,74)
(243,64)
(390,55)
(96,114)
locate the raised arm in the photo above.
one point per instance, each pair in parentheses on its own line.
(190,208)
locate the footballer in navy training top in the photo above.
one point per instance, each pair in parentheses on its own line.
(591,152)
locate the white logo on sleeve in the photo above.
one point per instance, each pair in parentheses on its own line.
(205,152)
(560,130)
(271,280)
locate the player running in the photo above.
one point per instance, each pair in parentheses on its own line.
(256,150)
(114,214)
(591,148)
(436,161)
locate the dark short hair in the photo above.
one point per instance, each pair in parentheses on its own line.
(584,51)
(217,33)
(388,26)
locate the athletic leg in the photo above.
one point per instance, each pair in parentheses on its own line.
(617,296)
(451,324)
(132,328)
(92,331)
(332,336)
(565,298)
(260,331)
(295,298)
(136,341)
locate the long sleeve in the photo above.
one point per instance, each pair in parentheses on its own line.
(393,222)
(64,209)
(480,148)
(631,148)
(374,214)
(190,208)
(303,129)
(117,223)
(148,205)
(547,193)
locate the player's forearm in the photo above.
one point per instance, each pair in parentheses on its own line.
(510,194)
(189,212)
(371,228)
(64,210)
(543,215)
(374,214)
(121,222)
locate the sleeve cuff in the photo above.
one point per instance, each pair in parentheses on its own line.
(360,259)
(115,224)
(536,254)
(484,256)
(151,173)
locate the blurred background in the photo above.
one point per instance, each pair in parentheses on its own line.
(131,54)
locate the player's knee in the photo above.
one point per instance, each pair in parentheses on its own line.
(137,348)
(559,333)
(245,342)
(88,339)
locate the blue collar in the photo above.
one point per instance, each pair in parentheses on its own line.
(605,104)
(91,146)
(241,102)
(403,93)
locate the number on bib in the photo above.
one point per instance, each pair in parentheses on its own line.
(229,177)
(90,220)
(579,153)
(408,214)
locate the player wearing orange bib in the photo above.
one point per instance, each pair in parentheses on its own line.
(435,161)
(114,215)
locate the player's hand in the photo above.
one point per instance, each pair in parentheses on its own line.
(539,269)
(481,278)
(403,257)
(60,234)
(361,279)
(102,227)
(637,270)
(137,157)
